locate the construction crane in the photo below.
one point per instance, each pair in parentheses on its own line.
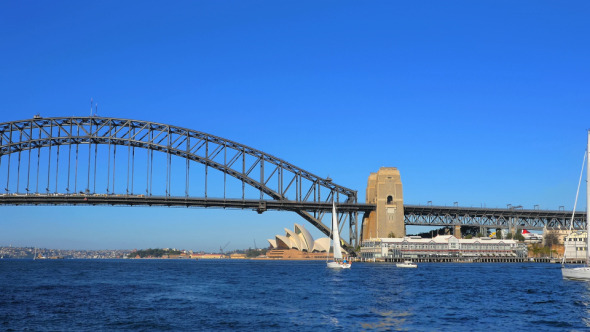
(225,246)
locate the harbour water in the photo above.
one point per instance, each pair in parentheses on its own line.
(183,295)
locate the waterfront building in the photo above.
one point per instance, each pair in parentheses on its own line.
(415,247)
(208,256)
(575,245)
(560,233)
(179,256)
(294,254)
(298,244)
(301,240)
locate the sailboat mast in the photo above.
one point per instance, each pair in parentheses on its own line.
(588,201)
(335,234)
(576,202)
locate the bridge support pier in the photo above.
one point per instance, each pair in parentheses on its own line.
(483,230)
(384,189)
(457,232)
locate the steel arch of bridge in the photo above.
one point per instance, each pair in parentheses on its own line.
(276,180)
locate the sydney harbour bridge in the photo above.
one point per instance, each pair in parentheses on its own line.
(108,161)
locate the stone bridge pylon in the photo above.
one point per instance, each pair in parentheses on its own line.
(384,190)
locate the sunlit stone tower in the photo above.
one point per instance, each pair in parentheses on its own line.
(384,189)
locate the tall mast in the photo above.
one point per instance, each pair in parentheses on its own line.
(588,201)
(575,204)
(335,234)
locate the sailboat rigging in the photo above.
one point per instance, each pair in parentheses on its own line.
(338,262)
(581,273)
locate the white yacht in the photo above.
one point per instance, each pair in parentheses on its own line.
(581,273)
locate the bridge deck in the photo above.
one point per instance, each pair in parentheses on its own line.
(143,200)
(417,215)
(491,217)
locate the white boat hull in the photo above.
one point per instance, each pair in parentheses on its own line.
(339,262)
(337,265)
(407,264)
(576,273)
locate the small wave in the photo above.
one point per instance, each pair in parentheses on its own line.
(552,323)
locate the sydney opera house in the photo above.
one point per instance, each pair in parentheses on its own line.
(298,244)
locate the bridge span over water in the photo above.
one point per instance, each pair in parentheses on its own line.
(109,161)
(533,219)
(415,215)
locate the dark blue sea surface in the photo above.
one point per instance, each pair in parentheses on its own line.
(183,295)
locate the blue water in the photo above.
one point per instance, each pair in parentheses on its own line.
(182,295)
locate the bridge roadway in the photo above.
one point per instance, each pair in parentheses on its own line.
(416,215)
(421,215)
(180,201)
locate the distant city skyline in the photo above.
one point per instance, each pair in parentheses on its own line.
(481,103)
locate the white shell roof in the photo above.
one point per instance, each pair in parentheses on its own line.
(322,244)
(283,242)
(295,240)
(305,235)
(299,239)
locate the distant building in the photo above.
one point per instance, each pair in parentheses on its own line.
(575,245)
(414,247)
(179,256)
(208,256)
(560,233)
(295,254)
(301,240)
(298,244)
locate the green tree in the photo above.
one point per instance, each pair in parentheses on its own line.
(153,253)
(250,253)
(468,236)
(509,236)
(551,240)
(391,235)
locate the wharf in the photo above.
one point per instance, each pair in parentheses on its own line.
(474,260)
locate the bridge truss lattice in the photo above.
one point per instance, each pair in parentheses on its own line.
(107,161)
(421,215)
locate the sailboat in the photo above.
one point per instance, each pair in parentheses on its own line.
(581,273)
(338,262)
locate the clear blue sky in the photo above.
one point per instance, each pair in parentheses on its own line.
(476,102)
